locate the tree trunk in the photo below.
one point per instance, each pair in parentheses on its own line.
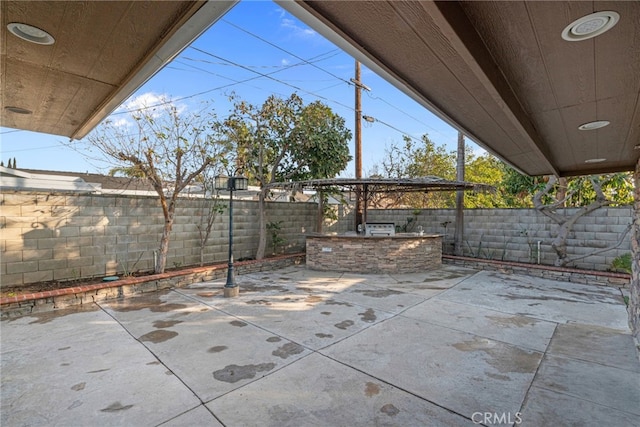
(634,298)
(561,195)
(559,244)
(565,224)
(262,224)
(161,261)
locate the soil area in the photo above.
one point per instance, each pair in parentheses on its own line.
(52,285)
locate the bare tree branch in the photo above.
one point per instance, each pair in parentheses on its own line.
(566,223)
(599,251)
(171,149)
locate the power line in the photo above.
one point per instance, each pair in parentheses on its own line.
(396,108)
(284,50)
(310,61)
(316,58)
(369,118)
(273,78)
(31,149)
(329,87)
(269,76)
(235,82)
(335,76)
(407,114)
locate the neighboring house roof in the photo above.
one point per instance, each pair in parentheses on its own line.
(79,182)
(27,180)
(106,182)
(33,179)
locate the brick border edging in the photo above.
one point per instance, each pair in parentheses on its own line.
(78,295)
(588,277)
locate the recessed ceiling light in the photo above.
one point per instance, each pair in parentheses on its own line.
(594,125)
(18,110)
(590,26)
(595,160)
(30,33)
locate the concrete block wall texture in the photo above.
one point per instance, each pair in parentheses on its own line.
(344,223)
(64,237)
(513,234)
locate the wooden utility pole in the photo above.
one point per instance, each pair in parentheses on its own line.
(459,230)
(358,145)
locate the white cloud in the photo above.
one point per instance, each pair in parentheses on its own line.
(149,101)
(297,30)
(144,100)
(284,62)
(121,123)
(280,12)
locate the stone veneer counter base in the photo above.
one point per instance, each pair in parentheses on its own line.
(402,253)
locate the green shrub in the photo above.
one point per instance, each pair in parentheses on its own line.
(622,264)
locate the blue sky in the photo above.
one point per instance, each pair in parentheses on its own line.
(253,39)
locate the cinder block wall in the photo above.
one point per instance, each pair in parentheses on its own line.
(513,234)
(64,236)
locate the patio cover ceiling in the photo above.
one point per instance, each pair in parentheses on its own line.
(499,71)
(103,52)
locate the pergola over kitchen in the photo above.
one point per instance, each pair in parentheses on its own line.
(369,187)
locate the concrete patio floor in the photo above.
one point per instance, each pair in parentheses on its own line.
(298,347)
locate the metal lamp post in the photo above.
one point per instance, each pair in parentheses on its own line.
(230,184)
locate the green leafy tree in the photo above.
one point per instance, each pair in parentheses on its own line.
(284,140)
(617,188)
(517,189)
(127,171)
(430,159)
(485,169)
(167,147)
(415,159)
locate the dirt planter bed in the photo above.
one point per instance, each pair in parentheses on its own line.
(587,277)
(23,304)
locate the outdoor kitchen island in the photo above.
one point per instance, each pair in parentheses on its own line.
(374,249)
(397,253)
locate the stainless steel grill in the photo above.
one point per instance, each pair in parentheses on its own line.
(380,229)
